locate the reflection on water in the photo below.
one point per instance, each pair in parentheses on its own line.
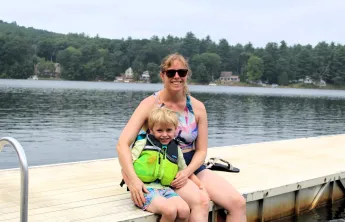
(62,121)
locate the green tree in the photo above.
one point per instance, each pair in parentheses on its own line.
(202,75)
(305,63)
(322,57)
(70,59)
(45,49)
(224,53)
(283,79)
(16,56)
(235,62)
(338,76)
(212,63)
(270,58)
(138,69)
(255,68)
(153,69)
(44,65)
(190,45)
(92,58)
(205,44)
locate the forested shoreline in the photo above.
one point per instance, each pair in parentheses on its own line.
(95,58)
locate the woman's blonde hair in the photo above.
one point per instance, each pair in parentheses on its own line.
(168,61)
(162,116)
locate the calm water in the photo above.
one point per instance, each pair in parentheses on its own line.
(62,121)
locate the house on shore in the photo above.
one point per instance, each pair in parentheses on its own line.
(128,76)
(52,72)
(309,80)
(145,77)
(57,71)
(226,77)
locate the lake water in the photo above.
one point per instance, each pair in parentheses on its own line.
(64,121)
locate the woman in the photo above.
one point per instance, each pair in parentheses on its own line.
(192,135)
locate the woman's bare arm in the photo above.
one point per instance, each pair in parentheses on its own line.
(201,143)
(126,138)
(129,133)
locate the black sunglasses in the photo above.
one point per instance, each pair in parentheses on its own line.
(171,72)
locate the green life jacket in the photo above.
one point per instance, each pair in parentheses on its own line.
(157,161)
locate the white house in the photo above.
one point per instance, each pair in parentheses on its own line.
(226,77)
(145,76)
(119,78)
(57,69)
(320,83)
(129,73)
(307,80)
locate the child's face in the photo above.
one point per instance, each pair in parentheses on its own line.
(164,133)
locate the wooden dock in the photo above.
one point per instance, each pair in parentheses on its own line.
(277,178)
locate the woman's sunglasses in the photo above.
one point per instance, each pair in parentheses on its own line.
(181,72)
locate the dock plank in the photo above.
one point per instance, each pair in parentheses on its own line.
(90,191)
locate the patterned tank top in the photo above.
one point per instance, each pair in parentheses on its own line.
(187,129)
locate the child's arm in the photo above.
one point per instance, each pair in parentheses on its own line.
(181,166)
(137,149)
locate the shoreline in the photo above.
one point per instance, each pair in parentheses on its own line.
(238,84)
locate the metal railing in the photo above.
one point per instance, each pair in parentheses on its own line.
(24,175)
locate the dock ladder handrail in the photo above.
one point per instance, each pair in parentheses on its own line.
(24,175)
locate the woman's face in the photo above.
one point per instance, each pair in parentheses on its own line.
(175,76)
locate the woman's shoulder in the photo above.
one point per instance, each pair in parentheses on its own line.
(147,104)
(197,104)
(198,107)
(148,101)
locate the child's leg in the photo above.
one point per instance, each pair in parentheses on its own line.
(167,203)
(161,205)
(183,210)
(156,203)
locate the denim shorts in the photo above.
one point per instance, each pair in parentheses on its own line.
(166,192)
(188,158)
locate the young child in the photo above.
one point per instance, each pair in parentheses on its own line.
(156,160)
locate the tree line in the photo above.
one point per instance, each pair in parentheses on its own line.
(94,58)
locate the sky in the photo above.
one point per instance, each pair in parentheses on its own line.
(242,21)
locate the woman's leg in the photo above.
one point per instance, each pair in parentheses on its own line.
(224,195)
(197,200)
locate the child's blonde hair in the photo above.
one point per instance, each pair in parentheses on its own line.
(162,116)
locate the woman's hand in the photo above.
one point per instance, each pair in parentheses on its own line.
(180,179)
(203,189)
(137,189)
